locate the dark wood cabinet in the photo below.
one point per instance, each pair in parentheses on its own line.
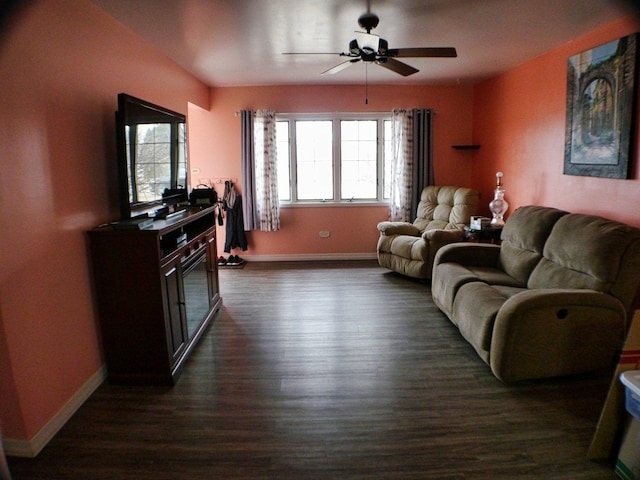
(156,292)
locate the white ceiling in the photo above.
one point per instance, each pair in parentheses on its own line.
(240,42)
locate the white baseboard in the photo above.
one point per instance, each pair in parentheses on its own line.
(308,257)
(31,448)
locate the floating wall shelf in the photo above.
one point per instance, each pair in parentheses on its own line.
(466,147)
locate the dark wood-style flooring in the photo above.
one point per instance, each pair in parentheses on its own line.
(330,370)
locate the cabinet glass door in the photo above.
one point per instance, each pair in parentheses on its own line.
(196,293)
(177,334)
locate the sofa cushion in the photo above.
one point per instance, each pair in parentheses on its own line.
(495,276)
(475,308)
(459,263)
(445,285)
(589,252)
(523,239)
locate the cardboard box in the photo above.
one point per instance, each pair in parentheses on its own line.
(628,463)
(606,439)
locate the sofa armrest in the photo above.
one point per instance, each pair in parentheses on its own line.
(444,236)
(438,238)
(398,228)
(471,254)
(542,333)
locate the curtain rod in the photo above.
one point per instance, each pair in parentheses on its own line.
(237,113)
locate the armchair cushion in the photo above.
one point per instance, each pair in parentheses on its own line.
(445,208)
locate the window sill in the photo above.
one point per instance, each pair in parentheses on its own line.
(332,204)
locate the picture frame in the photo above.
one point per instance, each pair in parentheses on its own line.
(601,93)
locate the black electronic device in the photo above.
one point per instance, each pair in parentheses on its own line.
(203,195)
(152,156)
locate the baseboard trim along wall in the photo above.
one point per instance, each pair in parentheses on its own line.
(304,257)
(31,448)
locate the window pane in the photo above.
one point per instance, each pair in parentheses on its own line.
(152,159)
(388,157)
(314,146)
(358,159)
(284,165)
(349,130)
(182,155)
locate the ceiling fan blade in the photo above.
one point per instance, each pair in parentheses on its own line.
(310,53)
(422,52)
(340,67)
(396,66)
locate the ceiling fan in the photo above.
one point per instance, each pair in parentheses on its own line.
(370,48)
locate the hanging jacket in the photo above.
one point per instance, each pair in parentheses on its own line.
(234,230)
(230,194)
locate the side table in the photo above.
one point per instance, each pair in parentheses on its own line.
(484,235)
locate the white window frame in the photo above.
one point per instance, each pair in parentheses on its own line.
(379,117)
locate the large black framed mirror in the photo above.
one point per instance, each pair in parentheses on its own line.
(152,156)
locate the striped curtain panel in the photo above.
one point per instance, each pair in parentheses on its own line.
(261,205)
(411,162)
(267,202)
(401,165)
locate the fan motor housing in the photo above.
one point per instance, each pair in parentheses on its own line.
(368,21)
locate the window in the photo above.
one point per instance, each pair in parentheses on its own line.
(358,159)
(314,160)
(337,159)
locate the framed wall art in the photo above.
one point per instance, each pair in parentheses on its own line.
(601,89)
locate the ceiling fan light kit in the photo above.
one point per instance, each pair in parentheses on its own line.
(367,42)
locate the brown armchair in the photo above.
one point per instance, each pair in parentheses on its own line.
(409,248)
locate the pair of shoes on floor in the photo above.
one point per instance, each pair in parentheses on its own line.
(235,260)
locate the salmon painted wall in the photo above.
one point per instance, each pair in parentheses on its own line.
(63,62)
(519,119)
(353,228)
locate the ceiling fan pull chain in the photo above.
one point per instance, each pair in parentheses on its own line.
(366,84)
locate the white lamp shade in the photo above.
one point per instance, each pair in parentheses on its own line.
(368,41)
